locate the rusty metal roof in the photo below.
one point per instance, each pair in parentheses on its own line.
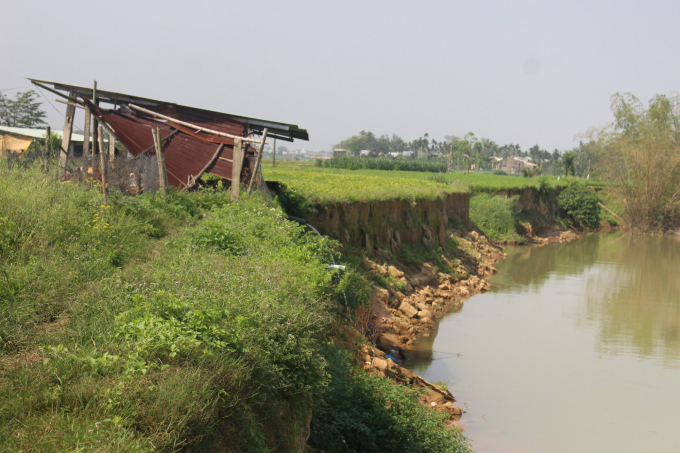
(207,118)
(185,153)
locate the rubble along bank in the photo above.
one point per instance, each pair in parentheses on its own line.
(401,317)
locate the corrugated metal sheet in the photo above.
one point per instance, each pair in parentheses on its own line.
(281,131)
(185,154)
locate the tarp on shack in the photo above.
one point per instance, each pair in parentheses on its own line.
(187,151)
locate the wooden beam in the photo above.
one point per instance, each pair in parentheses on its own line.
(236,169)
(224,158)
(162,175)
(75,104)
(193,126)
(86,132)
(112,148)
(95,124)
(66,136)
(274,154)
(258,160)
(102,167)
(200,173)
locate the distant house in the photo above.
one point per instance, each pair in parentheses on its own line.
(340,152)
(18,139)
(364,152)
(514,164)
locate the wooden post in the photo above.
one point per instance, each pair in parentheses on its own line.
(95,126)
(102,164)
(86,138)
(237,163)
(274,154)
(112,149)
(162,175)
(48,145)
(258,160)
(66,136)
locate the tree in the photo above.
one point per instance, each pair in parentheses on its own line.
(640,150)
(24,111)
(568,163)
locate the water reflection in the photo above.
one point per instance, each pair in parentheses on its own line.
(632,292)
(576,348)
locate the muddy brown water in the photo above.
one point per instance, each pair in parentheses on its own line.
(575,349)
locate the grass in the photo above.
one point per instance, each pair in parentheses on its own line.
(329,185)
(495,217)
(167,323)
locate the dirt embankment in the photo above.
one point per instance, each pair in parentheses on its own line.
(389,224)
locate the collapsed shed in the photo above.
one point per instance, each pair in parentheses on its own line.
(193,140)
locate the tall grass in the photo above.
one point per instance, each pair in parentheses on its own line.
(159,323)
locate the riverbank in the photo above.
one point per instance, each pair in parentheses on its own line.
(400,318)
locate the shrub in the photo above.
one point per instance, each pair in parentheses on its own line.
(495,216)
(581,205)
(499,172)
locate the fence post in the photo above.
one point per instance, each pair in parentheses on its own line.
(66,136)
(102,162)
(274,154)
(236,163)
(162,175)
(95,126)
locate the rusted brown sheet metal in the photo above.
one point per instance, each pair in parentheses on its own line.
(185,154)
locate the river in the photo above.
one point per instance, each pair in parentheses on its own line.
(575,349)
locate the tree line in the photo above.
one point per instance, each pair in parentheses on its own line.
(468,150)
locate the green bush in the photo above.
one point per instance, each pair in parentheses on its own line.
(580,205)
(369,413)
(499,172)
(495,216)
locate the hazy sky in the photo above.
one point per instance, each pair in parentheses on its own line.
(521,72)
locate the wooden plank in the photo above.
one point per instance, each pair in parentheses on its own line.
(236,169)
(258,160)
(224,158)
(193,126)
(66,137)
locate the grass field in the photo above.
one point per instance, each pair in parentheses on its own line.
(326,185)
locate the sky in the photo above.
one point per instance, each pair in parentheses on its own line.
(520,72)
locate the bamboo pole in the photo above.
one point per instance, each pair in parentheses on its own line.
(258,160)
(193,126)
(102,165)
(236,169)
(152,147)
(160,158)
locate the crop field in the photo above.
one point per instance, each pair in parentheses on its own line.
(332,185)
(328,185)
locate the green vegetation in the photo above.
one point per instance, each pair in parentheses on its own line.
(581,205)
(178,322)
(320,185)
(365,413)
(386,163)
(495,217)
(308,184)
(640,151)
